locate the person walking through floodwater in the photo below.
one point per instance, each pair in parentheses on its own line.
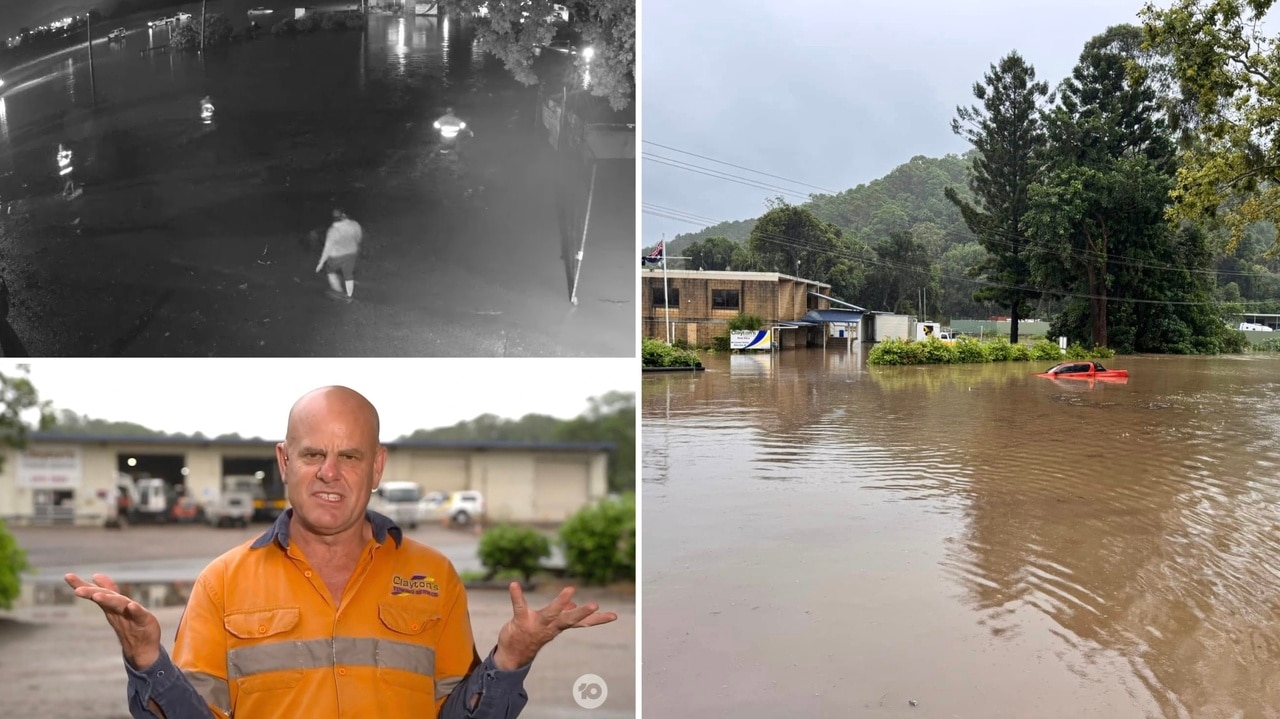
(451,128)
(65,168)
(341,247)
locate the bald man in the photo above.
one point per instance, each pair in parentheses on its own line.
(332,612)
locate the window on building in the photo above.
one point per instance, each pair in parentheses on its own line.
(724,300)
(658,300)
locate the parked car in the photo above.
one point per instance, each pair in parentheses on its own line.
(465,507)
(401,501)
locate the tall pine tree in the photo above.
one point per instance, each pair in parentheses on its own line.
(1007,133)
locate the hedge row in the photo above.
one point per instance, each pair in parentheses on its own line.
(655,353)
(599,544)
(967,350)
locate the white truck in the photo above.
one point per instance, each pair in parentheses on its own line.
(926,330)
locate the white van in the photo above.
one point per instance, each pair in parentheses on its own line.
(401,501)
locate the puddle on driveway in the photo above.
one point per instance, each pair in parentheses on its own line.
(45,602)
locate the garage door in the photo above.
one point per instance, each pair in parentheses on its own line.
(559,489)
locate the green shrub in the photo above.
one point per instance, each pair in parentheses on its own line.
(969,349)
(893,352)
(517,549)
(288,26)
(307,23)
(217,31)
(655,353)
(1019,353)
(1271,345)
(935,351)
(1044,350)
(1101,353)
(599,541)
(721,343)
(13,561)
(1077,351)
(999,350)
(746,322)
(354,21)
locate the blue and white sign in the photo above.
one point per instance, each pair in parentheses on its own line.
(750,340)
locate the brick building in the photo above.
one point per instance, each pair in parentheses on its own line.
(703,302)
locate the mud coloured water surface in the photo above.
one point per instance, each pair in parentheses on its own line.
(824,538)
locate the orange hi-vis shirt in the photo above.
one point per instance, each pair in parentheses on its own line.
(263,637)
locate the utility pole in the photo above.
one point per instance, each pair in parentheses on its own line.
(88,17)
(203,3)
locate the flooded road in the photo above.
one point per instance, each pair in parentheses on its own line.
(822,538)
(193,238)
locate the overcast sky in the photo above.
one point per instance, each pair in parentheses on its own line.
(826,92)
(252,397)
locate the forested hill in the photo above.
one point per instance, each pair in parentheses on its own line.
(908,198)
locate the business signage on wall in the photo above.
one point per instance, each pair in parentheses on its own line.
(750,339)
(49,468)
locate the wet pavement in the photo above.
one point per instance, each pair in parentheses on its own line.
(824,538)
(153,562)
(194,239)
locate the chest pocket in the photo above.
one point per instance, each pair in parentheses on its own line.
(406,657)
(264,659)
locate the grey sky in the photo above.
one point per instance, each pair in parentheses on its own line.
(825,92)
(252,397)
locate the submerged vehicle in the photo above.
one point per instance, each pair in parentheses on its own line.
(1084,369)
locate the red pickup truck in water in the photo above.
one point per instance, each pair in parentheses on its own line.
(1083,369)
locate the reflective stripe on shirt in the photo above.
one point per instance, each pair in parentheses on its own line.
(215,690)
(323,653)
(446,685)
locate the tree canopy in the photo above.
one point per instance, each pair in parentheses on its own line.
(1228,71)
(514,32)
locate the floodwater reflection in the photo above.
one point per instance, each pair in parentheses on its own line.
(45,601)
(981,541)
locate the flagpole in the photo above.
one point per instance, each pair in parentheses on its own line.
(666,296)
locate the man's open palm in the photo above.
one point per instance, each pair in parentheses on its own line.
(137,629)
(531,629)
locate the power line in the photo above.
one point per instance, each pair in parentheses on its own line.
(679,215)
(740,167)
(1010,239)
(720,175)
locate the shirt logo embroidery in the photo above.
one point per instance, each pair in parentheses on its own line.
(417,584)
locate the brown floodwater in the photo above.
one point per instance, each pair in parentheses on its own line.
(828,539)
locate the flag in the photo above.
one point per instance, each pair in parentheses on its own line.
(653,257)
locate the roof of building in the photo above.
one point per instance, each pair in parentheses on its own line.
(474,446)
(833,300)
(832,315)
(732,275)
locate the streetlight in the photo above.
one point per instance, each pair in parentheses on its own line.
(587,54)
(88,18)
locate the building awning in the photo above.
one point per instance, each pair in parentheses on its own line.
(833,315)
(838,302)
